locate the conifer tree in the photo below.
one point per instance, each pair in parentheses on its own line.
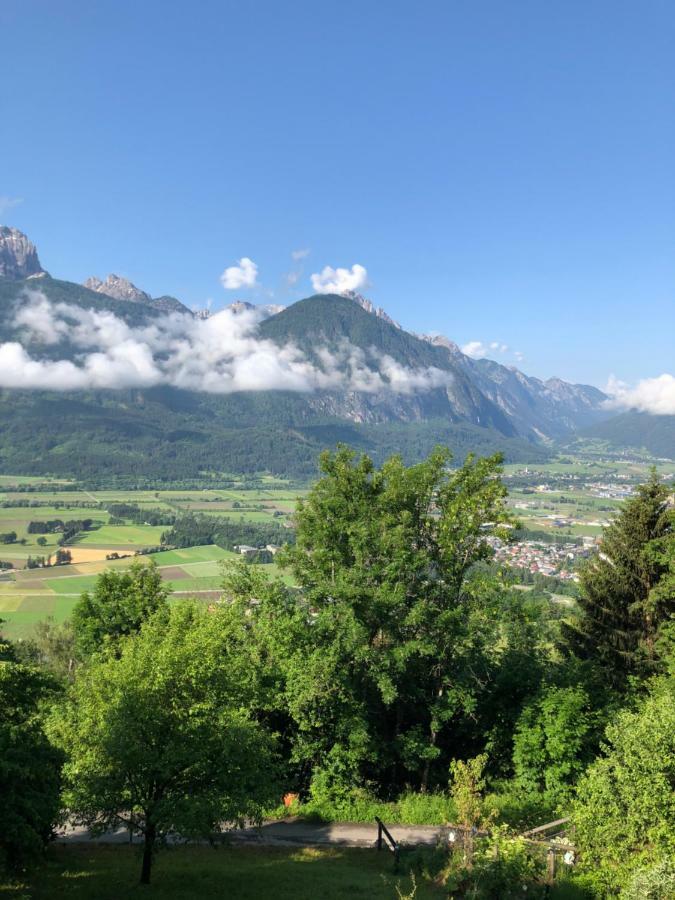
(620,622)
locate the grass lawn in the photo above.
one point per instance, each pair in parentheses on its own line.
(240,873)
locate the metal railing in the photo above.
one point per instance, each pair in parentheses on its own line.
(385,838)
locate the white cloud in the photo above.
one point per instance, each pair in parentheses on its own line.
(221,354)
(338,281)
(298,255)
(479,350)
(7,203)
(652,395)
(519,355)
(243,275)
(475,349)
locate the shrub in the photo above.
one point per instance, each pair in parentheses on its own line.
(656,882)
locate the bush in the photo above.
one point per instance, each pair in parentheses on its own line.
(360,805)
(656,882)
(625,809)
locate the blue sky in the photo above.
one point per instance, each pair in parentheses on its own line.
(505,172)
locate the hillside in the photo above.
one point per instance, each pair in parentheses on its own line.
(638,431)
(163,434)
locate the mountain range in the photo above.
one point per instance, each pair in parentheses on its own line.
(409,391)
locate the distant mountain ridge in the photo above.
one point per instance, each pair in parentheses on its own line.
(482,392)
(470,396)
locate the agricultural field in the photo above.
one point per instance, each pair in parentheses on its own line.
(32,595)
(29,595)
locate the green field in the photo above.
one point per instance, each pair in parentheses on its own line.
(32,595)
(126,537)
(200,873)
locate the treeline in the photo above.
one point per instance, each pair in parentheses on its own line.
(52,526)
(62,557)
(51,504)
(121,511)
(193,530)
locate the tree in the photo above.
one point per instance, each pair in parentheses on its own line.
(54,647)
(620,619)
(553,742)
(120,602)
(29,764)
(625,809)
(42,541)
(158,737)
(393,631)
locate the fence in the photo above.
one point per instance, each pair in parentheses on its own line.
(550,837)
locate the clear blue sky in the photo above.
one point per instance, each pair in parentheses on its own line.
(504,170)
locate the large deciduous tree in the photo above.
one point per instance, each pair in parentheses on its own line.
(158,735)
(392,634)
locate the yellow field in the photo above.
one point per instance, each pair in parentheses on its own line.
(89,554)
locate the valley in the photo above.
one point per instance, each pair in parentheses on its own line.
(561,505)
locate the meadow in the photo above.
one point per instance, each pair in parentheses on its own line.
(90,872)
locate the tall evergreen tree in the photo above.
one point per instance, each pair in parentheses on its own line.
(620,622)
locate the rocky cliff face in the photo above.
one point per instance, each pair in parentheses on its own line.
(122,289)
(18,256)
(117,287)
(370,307)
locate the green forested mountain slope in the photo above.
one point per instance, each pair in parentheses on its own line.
(165,434)
(638,430)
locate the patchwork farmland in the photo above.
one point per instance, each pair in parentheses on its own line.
(30,595)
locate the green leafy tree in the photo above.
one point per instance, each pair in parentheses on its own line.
(120,602)
(158,738)
(625,809)
(398,631)
(53,646)
(553,742)
(621,616)
(29,764)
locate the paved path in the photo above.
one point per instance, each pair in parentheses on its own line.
(288,832)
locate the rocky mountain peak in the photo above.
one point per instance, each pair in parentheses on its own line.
(440,340)
(370,307)
(118,288)
(18,256)
(271,309)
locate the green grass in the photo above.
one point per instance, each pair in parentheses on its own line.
(202,873)
(123,536)
(74,584)
(204,553)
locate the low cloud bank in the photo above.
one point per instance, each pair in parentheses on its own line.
(222,354)
(652,395)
